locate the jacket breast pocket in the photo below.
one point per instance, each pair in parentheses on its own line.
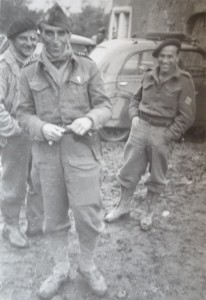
(79,91)
(43,96)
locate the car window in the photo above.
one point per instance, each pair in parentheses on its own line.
(193,62)
(137,64)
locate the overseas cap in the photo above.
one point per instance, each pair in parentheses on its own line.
(20,26)
(167,42)
(55,16)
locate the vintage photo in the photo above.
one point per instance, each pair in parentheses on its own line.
(102,149)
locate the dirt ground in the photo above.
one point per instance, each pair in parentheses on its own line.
(166,263)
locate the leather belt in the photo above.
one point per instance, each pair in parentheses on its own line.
(155,121)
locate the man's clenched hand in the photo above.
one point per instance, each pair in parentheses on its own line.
(80,126)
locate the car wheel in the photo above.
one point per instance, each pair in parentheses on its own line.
(111,134)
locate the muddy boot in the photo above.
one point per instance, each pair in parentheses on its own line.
(95,280)
(147,218)
(51,285)
(14,236)
(123,208)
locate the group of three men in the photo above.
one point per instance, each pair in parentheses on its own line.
(61,105)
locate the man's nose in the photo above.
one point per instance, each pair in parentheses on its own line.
(56,37)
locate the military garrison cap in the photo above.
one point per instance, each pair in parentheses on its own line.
(55,16)
(167,42)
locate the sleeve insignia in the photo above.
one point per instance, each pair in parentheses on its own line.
(188,100)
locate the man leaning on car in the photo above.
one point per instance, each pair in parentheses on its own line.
(161,111)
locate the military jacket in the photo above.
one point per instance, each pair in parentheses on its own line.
(172,99)
(9,78)
(42,101)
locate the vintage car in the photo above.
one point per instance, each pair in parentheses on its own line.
(123,62)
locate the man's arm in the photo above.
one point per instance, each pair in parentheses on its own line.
(26,112)
(101,110)
(134,104)
(186,110)
(8,125)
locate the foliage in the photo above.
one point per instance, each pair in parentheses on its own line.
(84,23)
(89,20)
(17,9)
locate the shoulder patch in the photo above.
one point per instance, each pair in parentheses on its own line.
(30,60)
(82,54)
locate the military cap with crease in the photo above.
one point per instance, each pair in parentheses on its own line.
(167,42)
(20,26)
(55,16)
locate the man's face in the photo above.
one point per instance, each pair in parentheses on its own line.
(25,43)
(55,39)
(168,59)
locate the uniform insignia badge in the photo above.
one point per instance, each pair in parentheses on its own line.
(188,100)
(79,79)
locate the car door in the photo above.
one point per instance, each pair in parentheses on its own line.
(128,81)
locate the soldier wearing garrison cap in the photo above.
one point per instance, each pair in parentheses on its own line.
(162,109)
(62,104)
(15,144)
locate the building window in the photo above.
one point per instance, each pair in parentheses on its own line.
(120,22)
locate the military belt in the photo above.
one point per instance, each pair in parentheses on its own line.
(155,121)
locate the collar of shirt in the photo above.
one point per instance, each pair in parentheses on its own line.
(154,75)
(40,63)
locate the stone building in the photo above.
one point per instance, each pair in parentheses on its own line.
(130,17)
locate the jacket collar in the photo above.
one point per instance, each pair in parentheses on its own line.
(155,74)
(11,61)
(39,65)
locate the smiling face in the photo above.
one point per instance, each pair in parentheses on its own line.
(55,39)
(168,59)
(25,43)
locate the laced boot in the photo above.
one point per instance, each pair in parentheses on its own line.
(94,279)
(14,236)
(123,207)
(147,218)
(51,285)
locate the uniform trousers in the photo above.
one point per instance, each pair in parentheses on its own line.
(146,146)
(70,177)
(16,184)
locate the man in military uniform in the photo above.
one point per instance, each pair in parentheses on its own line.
(161,111)
(62,103)
(15,144)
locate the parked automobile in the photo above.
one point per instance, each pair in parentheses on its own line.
(79,44)
(123,62)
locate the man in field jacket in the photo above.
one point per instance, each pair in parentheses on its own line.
(15,144)
(161,111)
(62,103)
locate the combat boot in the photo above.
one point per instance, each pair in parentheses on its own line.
(147,217)
(123,207)
(14,236)
(95,280)
(51,285)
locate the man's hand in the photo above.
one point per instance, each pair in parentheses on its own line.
(80,126)
(52,132)
(135,121)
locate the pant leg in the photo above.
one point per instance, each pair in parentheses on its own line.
(135,156)
(82,174)
(53,187)
(158,153)
(14,158)
(34,207)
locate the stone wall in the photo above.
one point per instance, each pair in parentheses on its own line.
(167,15)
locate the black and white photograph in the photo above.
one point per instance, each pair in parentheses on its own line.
(102,149)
